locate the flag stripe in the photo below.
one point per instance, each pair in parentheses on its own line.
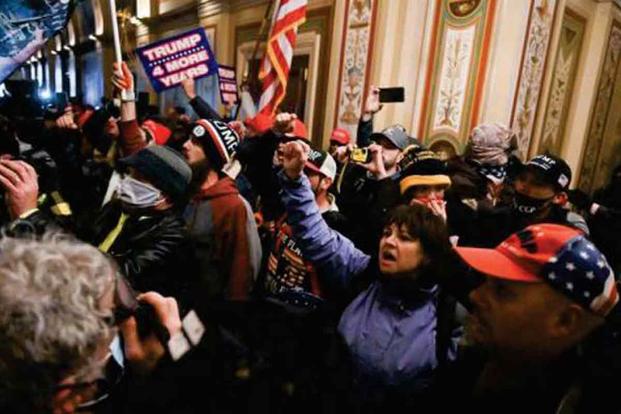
(276,64)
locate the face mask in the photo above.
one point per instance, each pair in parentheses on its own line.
(137,194)
(528,206)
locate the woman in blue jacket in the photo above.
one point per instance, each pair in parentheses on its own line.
(390,328)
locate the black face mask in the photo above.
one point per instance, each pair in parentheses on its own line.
(529,206)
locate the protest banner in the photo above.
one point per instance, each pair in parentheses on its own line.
(228,85)
(167,62)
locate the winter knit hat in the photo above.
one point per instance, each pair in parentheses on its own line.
(490,144)
(165,168)
(426,169)
(219,141)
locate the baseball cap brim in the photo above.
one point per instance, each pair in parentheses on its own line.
(312,167)
(378,135)
(493,263)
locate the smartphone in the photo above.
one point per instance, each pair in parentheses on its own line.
(387,95)
(61,101)
(360,155)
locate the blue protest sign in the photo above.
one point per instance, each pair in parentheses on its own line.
(167,62)
(228,85)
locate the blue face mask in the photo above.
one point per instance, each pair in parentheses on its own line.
(138,194)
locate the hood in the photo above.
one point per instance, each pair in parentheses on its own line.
(224,186)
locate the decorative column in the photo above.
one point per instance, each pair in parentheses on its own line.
(456,72)
(530,81)
(354,63)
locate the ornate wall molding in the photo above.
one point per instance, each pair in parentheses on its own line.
(595,152)
(354,63)
(563,80)
(534,58)
(456,72)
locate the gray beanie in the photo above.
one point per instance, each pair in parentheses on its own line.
(165,168)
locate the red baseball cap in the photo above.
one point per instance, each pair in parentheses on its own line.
(558,255)
(299,130)
(340,136)
(260,124)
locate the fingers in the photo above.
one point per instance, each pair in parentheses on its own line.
(166,310)
(20,172)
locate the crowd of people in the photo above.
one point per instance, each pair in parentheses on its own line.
(183,263)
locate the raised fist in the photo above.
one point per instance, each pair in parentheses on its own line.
(295,155)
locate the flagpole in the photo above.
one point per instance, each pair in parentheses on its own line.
(115,32)
(118,53)
(266,18)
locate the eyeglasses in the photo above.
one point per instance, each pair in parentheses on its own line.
(110,375)
(107,372)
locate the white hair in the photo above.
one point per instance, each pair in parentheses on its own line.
(50,317)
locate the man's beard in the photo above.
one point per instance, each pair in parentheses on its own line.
(200,169)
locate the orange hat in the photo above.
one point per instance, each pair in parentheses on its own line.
(340,136)
(158,132)
(260,124)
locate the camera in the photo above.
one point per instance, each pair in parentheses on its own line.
(126,305)
(360,155)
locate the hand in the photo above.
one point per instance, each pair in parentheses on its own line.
(341,154)
(122,79)
(494,190)
(34,45)
(67,120)
(189,88)
(376,165)
(295,155)
(19,179)
(284,122)
(372,104)
(144,353)
(438,207)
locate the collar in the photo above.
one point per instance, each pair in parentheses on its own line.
(332,206)
(394,296)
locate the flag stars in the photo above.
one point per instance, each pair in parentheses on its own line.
(601,264)
(590,275)
(570,266)
(552,259)
(584,255)
(569,286)
(587,294)
(551,275)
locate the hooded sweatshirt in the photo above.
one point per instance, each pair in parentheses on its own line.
(220,217)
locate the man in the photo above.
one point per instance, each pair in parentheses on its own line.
(480,174)
(541,317)
(340,137)
(142,228)
(291,279)
(56,301)
(540,197)
(359,193)
(218,214)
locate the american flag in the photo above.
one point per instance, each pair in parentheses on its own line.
(288,16)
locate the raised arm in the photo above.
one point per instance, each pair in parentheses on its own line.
(333,254)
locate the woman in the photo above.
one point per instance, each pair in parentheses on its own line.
(390,329)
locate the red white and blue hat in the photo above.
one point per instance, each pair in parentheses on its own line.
(558,255)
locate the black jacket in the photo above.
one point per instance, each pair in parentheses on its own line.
(152,250)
